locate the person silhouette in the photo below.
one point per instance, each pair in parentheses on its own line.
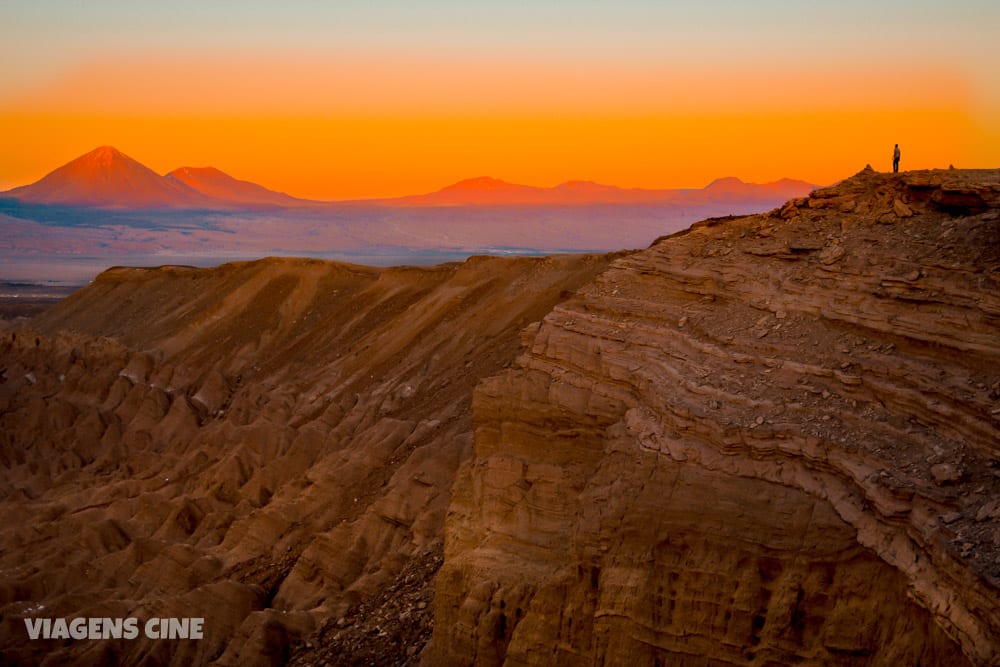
(895,159)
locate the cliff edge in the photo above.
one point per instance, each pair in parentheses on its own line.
(771,439)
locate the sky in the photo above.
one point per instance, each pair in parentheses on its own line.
(341,100)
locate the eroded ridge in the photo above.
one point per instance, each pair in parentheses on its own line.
(268,445)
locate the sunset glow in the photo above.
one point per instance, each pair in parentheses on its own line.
(363,101)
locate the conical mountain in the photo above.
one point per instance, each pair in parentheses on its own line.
(107,178)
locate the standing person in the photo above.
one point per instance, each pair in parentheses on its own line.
(895,159)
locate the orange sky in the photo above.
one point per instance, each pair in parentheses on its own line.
(365,118)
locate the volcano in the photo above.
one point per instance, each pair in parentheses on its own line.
(732,188)
(219,185)
(107,178)
(485,191)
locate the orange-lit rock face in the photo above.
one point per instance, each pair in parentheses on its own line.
(669,562)
(727,449)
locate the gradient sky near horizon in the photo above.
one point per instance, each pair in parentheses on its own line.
(349,99)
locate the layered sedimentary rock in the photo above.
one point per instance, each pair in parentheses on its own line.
(768,440)
(267,445)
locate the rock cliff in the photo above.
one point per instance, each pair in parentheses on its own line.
(267,445)
(771,439)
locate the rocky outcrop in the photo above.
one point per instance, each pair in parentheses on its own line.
(771,439)
(766,440)
(267,445)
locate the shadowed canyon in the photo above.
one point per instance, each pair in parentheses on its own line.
(765,440)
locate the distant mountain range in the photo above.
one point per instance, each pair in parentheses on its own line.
(107,178)
(492,191)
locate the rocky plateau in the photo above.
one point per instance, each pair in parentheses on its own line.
(767,440)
